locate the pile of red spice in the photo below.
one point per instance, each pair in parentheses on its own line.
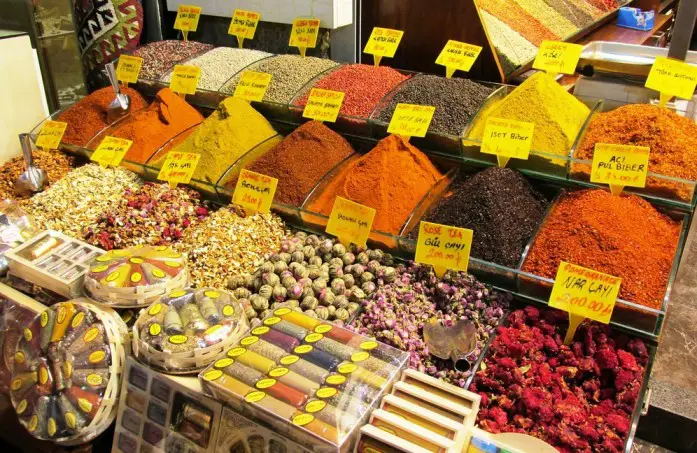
(301,160)
(623,236)
(578,398)
(363,86)
(87,117)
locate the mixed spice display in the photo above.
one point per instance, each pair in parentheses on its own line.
(161,56)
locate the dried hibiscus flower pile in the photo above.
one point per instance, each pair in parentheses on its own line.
(577,398)
(396,313)
(153,214)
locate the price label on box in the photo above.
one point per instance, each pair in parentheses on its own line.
(443,247)
(128,68)
(111,151)
(304,33)
(458,55)
(672,78)
(254,191)
(244,24)
(558,57)
(252,86)
(411,120)
(187,18)
(51,134)
(383,42)
(185,79)
(323,105)
(507,139)
(620,166)
(350,222)
(178,168)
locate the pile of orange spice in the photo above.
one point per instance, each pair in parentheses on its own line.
(623,236)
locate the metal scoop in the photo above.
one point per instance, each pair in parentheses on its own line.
(34,178)
(455,342)
(121,105)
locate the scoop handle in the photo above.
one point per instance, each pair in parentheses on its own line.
(25,142)
(111,72)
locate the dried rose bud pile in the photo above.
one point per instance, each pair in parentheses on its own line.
(397,312)
(577,398)
(315,275)
(153,214)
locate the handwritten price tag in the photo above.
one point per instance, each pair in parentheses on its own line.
(111,151)
(350,222)
(507,139)
(383,42)
(255,191)
(244,24)
(185,79)
(187,18)
(411,120)
(51,134)
(584,293)
(458,55)
(557,57)
(323,105)
(178,168)
(304,34)
(128,68)
(252,86)
(672,78)
(443,247)
(620,166)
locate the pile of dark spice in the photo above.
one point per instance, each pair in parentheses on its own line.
(301,160)
(499,205)
(456,101)
(158,57)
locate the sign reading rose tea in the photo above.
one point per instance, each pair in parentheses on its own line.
(443,247)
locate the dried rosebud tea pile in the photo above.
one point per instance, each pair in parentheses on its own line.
(153,214)
(578,398)
(396,313)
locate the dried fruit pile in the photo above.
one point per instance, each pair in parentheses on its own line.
(578,398)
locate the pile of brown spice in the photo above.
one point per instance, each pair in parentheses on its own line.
(54,163)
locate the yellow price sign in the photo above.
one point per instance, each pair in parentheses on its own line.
(244,25)
(178,168)
(443,247)
(252,86)
(304,34)
(383,42)
(584,293)
(411,120)
(557,57)
(185,79)
(323,105)
(507,139)
(51,134)
(128,68)
(187,19)
(458,55)
(111,151)
(350,222)
(620,166)
(672,78)
(254,191)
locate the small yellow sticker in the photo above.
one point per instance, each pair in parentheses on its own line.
(19,357)
(77,320)
(228,310)
(261,330)
(248,341)
(155,329)
(43,375)
(254,191)
(27,334)
(313,337)
(323,105)
(21,407)
(178,339)
(369,345)
(212,294)
(458,55)
(223,363)
(252,86)
(67,370)
(136,260)
(178,168)
(411,120)
(326,392)
(44,319)
(265,383)
(315,406)
(94,380)
(187,18)
(304,33)
(323,328)
(128,68)
(244,24)
(113,276)
(104,258)
(672,78)
(90,335)
(620,166)
(282,311)
(335,379)
(158,273)
(62,313)
(278,372)
(100,268)
(51,427)
(136,277)
(383,42)
(185,79)
(212,375)
(16,384)
(176,293)
(33,423)
(303,349)
(212,330)
(71,420)
(347,368)
(507,139)
(253,397)
(359,356)
(557,57)
(289,360)
(111,151)
(443,247)
(155,309)
(51,134)
(84,405)
(272,320)
(350,222)
(96,357)
(236,352)
(303,419)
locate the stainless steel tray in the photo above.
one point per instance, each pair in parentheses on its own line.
(625,59)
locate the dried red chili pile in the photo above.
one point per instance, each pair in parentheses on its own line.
(153,214)
(622,236)
(578,398)
(362,84)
